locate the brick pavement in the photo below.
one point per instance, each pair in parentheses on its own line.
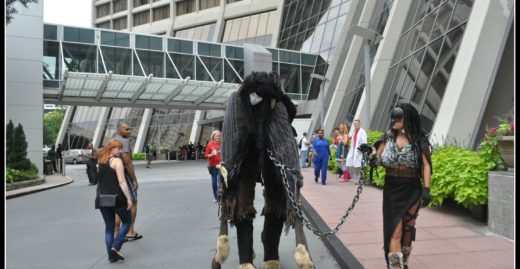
(445,239)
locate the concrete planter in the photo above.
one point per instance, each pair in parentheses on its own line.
(24,184)
(506,147)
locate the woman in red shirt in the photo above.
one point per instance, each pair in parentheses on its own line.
(213,154)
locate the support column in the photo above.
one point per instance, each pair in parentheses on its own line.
(196,128)
(383,58)
(338,63)
(143,128)
(334,114)
(467,92)
(100,127)
(64,125)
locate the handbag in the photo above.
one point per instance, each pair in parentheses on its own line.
(107,200)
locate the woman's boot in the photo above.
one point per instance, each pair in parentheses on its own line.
(406,254)
(395,260)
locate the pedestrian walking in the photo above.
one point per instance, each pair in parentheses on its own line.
(354,156)
(154,152)
(304,150)
(341,150)
(213,154)
(148,150)
(124,131)
(51,155)
(92,171)
(113,198)
(321,149)
(404,152)
(59,158)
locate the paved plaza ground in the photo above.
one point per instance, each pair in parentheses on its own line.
(59,228)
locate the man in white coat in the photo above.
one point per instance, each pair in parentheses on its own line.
(357,136)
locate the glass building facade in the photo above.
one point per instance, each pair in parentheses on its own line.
(255,29)
(99,51)
(424,59)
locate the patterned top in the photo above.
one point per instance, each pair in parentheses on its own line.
(393,157)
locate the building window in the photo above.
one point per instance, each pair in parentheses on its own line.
(205,4)
(421,67)
(257,29)
(103,10)
(233,1)
(142,18)
(119,5)
(161,13)
(104,25)
(202,33)
(120,23)
(185,7)
(74,34)
(140,2)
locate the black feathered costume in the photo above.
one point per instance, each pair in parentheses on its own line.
(258,117)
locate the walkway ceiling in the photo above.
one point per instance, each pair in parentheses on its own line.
(90,89)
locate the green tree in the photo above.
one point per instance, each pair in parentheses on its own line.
(51,126)
(10,10)
(9,133)
(18,155)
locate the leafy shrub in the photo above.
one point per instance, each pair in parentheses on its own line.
(15,175)
(332,164)
(138,156)
(461,174)
(164,149)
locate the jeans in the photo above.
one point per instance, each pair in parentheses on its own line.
(303,157)
(109,216)
(215,178)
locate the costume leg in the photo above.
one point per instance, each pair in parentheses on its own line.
(245,241)
(409,232)
(273,226)
(301,254)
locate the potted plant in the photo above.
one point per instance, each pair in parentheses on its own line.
(165,151)
(499,141)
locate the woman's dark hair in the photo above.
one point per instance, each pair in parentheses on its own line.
(412,129)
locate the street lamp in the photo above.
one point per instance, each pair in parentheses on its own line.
(323,81)
(369,36)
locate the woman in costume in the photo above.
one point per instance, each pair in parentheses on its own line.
(405,153)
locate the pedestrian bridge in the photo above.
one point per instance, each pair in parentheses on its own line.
(99,67)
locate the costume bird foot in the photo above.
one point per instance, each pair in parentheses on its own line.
(272,264)
(302,257)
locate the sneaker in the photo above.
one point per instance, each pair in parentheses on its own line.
(214,200)
(316,179)
(117,254)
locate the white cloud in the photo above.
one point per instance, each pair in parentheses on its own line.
(68,12)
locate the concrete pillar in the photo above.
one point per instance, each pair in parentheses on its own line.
(256,58)
(23,76)
(196,128)
(100,127)
(338,63)
(143,130)
(333,115)
(474,71)
(383,58)
(278,24)
(64,124)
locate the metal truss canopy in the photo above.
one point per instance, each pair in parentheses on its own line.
(90,89)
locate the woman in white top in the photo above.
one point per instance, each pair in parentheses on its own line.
(357,136)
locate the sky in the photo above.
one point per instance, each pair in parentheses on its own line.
(68,12)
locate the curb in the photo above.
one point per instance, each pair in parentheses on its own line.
(343,257)
(9,196)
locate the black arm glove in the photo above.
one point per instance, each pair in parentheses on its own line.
(426,197)
(372,160)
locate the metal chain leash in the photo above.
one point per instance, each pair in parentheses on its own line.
(297,206)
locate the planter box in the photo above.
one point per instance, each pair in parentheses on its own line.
(506,146)
(501,195)
(24,184)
